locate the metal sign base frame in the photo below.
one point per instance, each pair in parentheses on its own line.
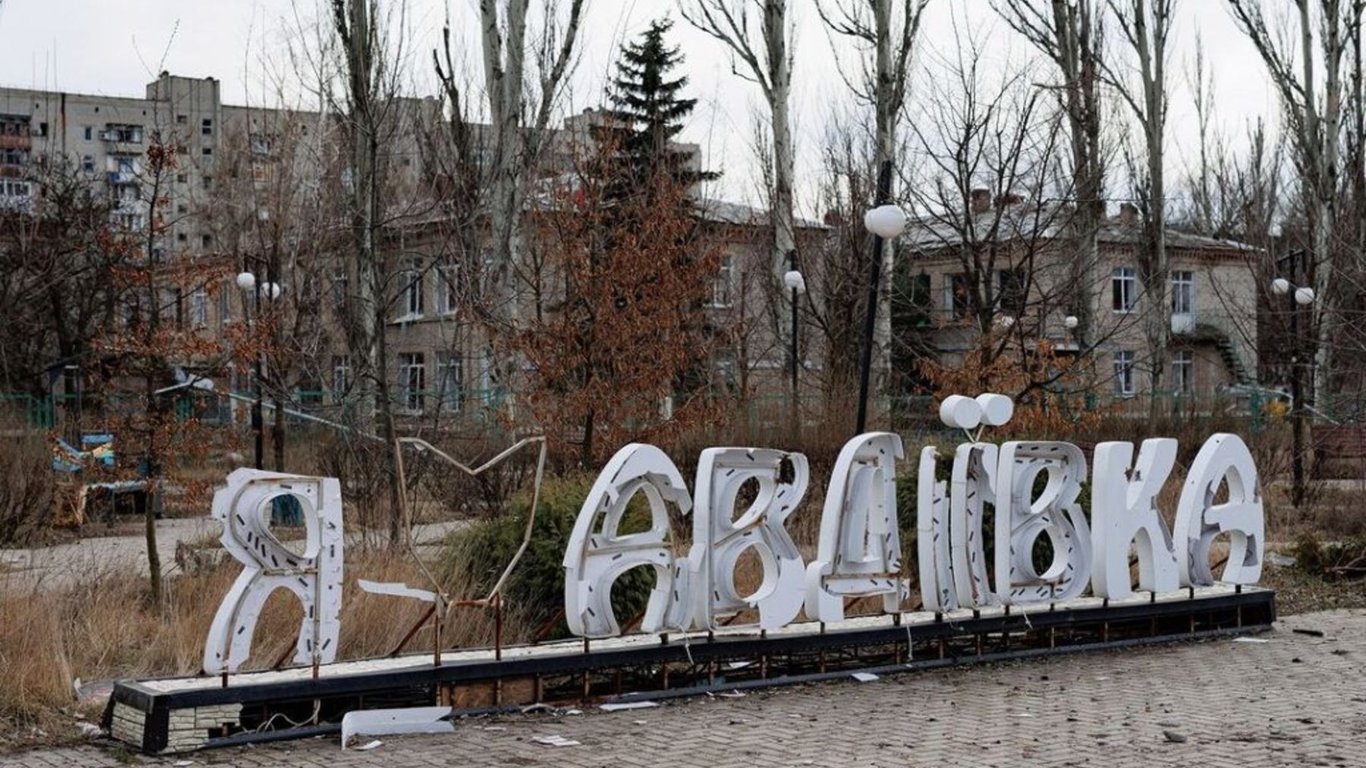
(184,714)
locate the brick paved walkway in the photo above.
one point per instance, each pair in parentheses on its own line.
(1293,700)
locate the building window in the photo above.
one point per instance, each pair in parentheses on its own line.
(1183,293)
(1183,372)
(956,300)
(340,287)
(182,119)
(1012,286)
(181,237)
(126,134)
(412,379)
(206,240)
(448,290)
(341,378)
(88,133)
(225,303)
(208,182)
(181,178)
(88,163)
(723,284)
(1124,373)
(449,370)
(207,151)
(199,308)
(412,292)
(206,127)
(1124,289)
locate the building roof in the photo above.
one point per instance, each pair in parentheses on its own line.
(725,212)
(1047,220)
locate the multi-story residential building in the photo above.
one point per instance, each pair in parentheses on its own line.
(263,190)
(1024,251)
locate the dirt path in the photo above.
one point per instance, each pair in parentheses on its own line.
(63,565)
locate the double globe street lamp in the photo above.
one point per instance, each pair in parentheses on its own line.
(247,282)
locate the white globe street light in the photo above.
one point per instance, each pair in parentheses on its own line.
(246,281)
(1071,322)
(1280,286)
(885,221)
(794,280)
(1304,296)
(272,290)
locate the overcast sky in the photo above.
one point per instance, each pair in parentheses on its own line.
(115,47)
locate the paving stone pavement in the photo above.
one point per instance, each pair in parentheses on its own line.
(1295,699)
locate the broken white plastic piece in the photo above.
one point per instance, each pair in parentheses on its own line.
(555,740)
(864,677)
(388,722)
(396,589)
(618,706)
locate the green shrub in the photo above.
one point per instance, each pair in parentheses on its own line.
(535,589)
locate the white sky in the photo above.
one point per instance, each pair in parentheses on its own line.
(114,47)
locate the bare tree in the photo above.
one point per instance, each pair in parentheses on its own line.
(1071,34)
(1146,26)
(1314,121)
(1314,114)
(367,107)
(516,143)
(763,56)
(885,31)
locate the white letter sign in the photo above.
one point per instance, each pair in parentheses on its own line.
(1021,519)
(597,555)
(244,507)
(859,553)
(719,538)
(1224,458)
(1124,510)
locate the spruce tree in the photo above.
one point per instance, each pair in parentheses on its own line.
(649,111)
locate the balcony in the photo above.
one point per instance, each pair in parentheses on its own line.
(123,176)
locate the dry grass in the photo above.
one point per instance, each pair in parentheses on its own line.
(104,628)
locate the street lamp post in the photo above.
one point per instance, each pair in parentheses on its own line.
(885,221)
(247,281)
(1295,298)
(797,282)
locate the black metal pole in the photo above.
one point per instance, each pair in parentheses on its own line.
(796,403)
(257,420)
(884,191)
(1296,407)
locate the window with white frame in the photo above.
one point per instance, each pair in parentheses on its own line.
(1124,289)
(1124,373)
(450,385)
(723,285)
(411,303)
(448,293)
(199,308)
(412,380)
(341,377)
(1183,372)
(1183,292)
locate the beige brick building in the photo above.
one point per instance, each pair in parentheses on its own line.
(1023,251)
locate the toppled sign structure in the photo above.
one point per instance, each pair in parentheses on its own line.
(1020,593)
